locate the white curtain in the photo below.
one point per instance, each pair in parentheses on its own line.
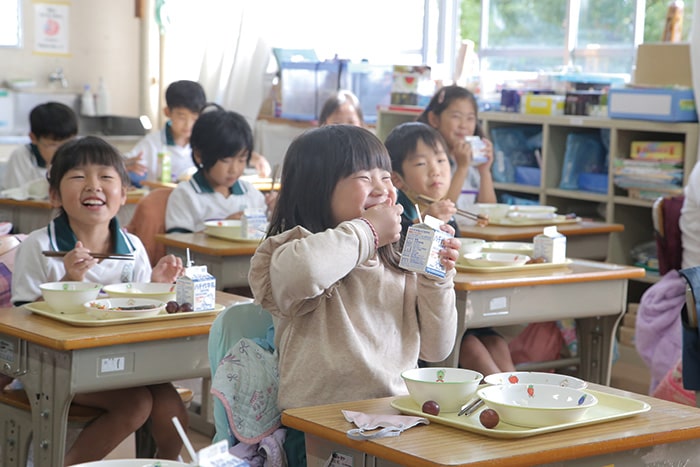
(221,44)
(235,58)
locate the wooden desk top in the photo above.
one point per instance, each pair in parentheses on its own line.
(24,324)
(496,233)
(132,197)
(206,244)
(578,271)
(437,444)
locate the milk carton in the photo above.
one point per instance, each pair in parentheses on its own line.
(196,287)
(253,223)
(421,247)
(550,245)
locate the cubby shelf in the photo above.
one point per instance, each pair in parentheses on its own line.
(615,205)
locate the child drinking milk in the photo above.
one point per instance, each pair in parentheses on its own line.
(420,167)
(453,112)
(88,183)
(347,320)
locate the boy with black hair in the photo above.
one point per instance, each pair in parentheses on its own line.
(50,125)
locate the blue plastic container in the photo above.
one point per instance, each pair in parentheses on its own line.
(528,175)
(597,183)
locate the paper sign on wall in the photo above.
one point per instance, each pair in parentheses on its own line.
(51,28)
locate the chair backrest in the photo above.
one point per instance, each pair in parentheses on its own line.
(149,220)
(666,213)
(242,320)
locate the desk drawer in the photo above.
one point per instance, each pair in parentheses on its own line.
(140,363)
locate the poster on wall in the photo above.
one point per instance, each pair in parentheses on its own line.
(51,28)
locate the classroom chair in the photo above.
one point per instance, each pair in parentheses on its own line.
(149,220)
(691,333)
(665,214)
(238,321)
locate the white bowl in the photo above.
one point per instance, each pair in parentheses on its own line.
(489,260)
(451,388)
(537,405)
(494,211)
(515,248)
(225,228)
(536,377)
(151,290)
(470,245)
(117,308)
(133,463)
(68,297)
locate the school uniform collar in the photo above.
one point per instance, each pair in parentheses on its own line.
(201,185)
(169,139)
(62,238)
(40,162)
(409,206)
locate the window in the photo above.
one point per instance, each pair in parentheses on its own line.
(591,36)
(10,24)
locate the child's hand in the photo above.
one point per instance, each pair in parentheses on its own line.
(462,153)
(386,219)
(260,164)
(168,269)
(135,164)
(78,262)
(488,153)
(235,215)
(450,248)
(443,210)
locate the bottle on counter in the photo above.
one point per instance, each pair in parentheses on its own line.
(102,99)
(87,102)
(164,166)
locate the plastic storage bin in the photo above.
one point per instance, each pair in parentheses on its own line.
(372,86)
(528,175)
(597,183)
(661,104)
(305,86)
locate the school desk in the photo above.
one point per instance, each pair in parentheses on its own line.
(665,435)
(29,215)
(56,360)
(591,292)
(226,260)
(585,239)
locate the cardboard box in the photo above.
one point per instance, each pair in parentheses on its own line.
(657,150)
(196,287)
(543,104)
(550,245)
(659,104)
(421,247)
(411,85)
(663,64)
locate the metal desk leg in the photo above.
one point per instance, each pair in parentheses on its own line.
(596,337)
(47,384)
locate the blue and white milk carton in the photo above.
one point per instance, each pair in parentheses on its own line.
(253,223)
(550,245)
(421,247)
(196,287)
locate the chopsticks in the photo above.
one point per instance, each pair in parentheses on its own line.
(461,212)
(61,254)
(471,407)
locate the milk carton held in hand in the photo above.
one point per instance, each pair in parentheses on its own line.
(422,246)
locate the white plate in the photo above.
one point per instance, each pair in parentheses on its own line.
(227,235)
(486,260)
(535,377)
(117,308)
(528,216)
(531,209)
(519,268)
(522,248)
